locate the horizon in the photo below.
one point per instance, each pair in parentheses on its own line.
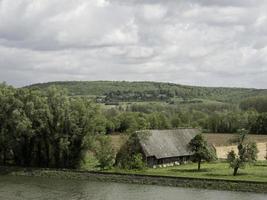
(164,82)
(188,42)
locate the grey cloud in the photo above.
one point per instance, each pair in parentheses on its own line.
(217,43)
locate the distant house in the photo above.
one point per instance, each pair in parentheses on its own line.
(161,147)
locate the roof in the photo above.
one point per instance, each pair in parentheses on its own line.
(167,143)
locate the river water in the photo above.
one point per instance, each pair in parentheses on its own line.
(29,188)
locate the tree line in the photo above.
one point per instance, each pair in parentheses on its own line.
(225,120)
(113,91)
(45,129)
(49,128)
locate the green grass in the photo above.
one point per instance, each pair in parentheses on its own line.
(219,170)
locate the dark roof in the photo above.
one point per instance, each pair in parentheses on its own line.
(167,143)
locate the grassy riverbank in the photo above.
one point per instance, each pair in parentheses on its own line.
(220,170)
(216,176)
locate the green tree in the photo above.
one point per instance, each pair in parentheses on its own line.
(201,151)
(129,156)
(8,105)
(45,129)
(104,152)
(247,152)
(137,162)
(260,125)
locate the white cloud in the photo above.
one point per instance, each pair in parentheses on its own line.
(190,41)
(154,12)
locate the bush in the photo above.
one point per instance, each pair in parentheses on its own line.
(137,162)
(105,153)
(129,156)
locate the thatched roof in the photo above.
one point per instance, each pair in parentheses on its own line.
(167,143)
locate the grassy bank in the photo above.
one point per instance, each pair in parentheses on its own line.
(213,176)
(220,170)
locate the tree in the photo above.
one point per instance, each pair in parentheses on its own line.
(105,153)
(260,125)
(138,161)
(8,104)
(45,129)
(201,150)
(247,152)
(129,156)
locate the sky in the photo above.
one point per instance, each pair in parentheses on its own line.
(192,42)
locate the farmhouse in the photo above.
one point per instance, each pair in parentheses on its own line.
(161,147)
(169,146)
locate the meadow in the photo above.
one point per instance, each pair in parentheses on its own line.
(215,170)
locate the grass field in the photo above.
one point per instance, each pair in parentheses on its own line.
(218,170)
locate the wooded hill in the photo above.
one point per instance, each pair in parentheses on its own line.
(118,91)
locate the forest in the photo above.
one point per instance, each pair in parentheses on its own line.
(45,126)
(45,129)
(116,91)
(155,105)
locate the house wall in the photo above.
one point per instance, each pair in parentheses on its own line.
(222,151)
(152,161)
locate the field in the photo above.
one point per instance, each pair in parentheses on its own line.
(217,139)
(224,139)
(217,170)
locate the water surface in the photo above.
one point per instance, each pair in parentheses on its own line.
(29,188)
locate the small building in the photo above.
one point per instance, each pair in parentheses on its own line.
(161,147)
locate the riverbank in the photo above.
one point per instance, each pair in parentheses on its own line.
(216,184)
(214,170)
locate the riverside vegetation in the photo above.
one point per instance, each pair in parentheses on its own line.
(65,127)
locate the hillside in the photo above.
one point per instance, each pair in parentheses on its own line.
(116,91)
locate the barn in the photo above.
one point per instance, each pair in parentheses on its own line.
(161,147)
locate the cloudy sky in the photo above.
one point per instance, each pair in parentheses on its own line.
(195,42)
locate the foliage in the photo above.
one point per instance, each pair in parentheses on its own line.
(152,105)
(212,170)
(258,103)
(115,91)
(201,150)
(105,153)
(247,153)
(137,162)
(129,156)
(260,124)
(44,129)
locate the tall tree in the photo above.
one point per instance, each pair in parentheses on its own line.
(45,129)
(201,151)
(247,152)
(105,153)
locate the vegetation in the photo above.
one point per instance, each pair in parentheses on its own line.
(129,156)
(257,103)
(115,91)
(45,129)
(201,151)
(213,170)
(247,153)
(47,126)
(105,153)
(128,106)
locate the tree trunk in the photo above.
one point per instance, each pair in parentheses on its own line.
(4,157)
(199,163)
(235,171)
(47,152)
(39,155)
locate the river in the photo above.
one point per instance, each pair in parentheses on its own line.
(36,188)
